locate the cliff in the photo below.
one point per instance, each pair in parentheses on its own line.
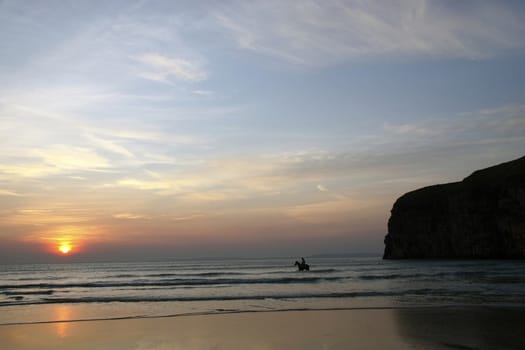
(481,217)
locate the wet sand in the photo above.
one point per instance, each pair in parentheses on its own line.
(413,328)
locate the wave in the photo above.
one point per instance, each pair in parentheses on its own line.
(271,285)
(436,293)
(467,275)
(168,274)
(313,270)
(34,292)
(152,299)
(397,276)
(39,278)
(172,282)
(216,273)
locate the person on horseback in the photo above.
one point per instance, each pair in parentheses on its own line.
(302,266)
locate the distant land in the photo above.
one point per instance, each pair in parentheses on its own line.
(345,255)
(481,217)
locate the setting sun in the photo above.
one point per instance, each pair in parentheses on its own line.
(64,248)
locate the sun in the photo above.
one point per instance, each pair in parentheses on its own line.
(64,248)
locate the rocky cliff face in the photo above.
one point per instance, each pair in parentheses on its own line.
(481,217)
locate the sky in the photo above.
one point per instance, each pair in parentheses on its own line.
(139,130)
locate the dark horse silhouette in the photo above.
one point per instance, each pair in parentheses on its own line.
(302,266)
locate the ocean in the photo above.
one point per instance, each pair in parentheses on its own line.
(84,291)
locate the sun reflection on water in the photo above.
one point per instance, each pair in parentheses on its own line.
(62,313)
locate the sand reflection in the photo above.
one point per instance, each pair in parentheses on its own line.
(62,313)
(307,330)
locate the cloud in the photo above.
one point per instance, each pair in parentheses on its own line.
(56,159)
(28,170)
(425,151)
(128,216)
(111,146)
(9,193)
(489,124)
(407,129)
(417,150)
(187,218)
(41,217)
(163,67)
(144,185)
(64,157)
(322,212)
(315,32)
(202,92)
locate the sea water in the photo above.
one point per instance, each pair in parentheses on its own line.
(50,292)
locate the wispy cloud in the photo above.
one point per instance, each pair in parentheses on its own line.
(496,123)
(161,68)
(56,159)
(42,217)
(64,157)
(417,150)
(187,218)
(129,216)
(202,92)
(327,211)
(408,129)
(90,140)
(27,170)
(144,184)
(318,32)
(9,193)
(110,146)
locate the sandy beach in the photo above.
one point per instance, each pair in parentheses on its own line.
(412,328)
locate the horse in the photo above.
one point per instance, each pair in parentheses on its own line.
(302,266)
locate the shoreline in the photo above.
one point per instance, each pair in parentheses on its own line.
(256,311)
(435,327)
